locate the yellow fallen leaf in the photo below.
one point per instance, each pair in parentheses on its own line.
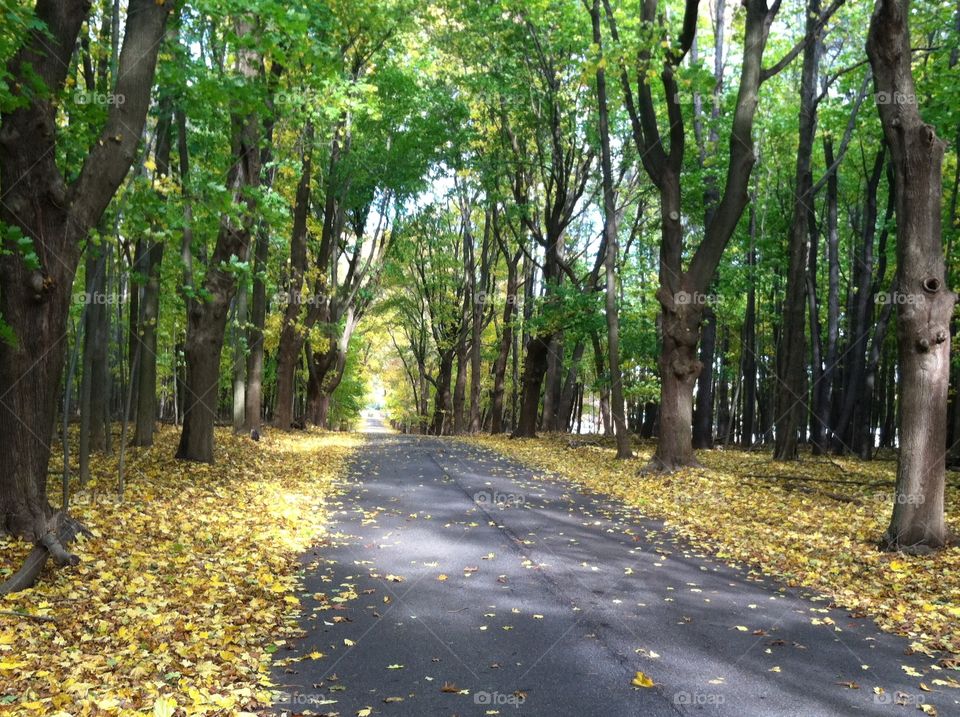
(641,680)
(164,707)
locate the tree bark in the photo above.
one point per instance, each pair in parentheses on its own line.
(57,217)
(611,249)
(506,339)
(703,408)
(923,326)
(291,338)
(749,354)
(206,319)
(792,399)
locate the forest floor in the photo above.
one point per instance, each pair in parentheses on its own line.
(458,581)
(815,523)
(187,588)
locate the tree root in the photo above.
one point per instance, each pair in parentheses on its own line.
(65,529)
(658,465)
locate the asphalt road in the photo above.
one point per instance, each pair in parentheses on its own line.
(461,585)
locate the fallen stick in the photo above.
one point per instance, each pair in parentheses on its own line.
(38,618)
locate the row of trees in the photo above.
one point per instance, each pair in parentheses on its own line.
(621,243)
(196,210)
(546,206)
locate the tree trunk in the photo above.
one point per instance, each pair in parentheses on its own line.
(923,326)
(534,369)
(571,387)
(253,401)
(703,409)
(147,369)
(859,309)
(679,368)
(239,369)
(206,318)
(792,396)
(506,341)
(253,410)
(460,384)
(291,339)
(611,249)
(477,323)
(56,217)
(749,353)
(441,408)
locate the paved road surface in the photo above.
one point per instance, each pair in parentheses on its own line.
(525,597)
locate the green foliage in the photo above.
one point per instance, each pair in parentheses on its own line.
(350,397)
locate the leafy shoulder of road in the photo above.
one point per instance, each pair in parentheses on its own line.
(187,588)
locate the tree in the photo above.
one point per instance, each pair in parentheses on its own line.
(792,352)
(683,292)
(610,248)
(925,302)
(55,213)
(207,312)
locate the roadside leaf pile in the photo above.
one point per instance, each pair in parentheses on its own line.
(815,524)
(180,597)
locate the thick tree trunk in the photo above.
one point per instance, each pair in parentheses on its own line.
(57,217)
(923,326)
(679,368)
(206,318)
(553,384)
(288,355)
(681,310)
(534,369)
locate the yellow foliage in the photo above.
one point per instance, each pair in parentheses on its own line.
(185,592)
